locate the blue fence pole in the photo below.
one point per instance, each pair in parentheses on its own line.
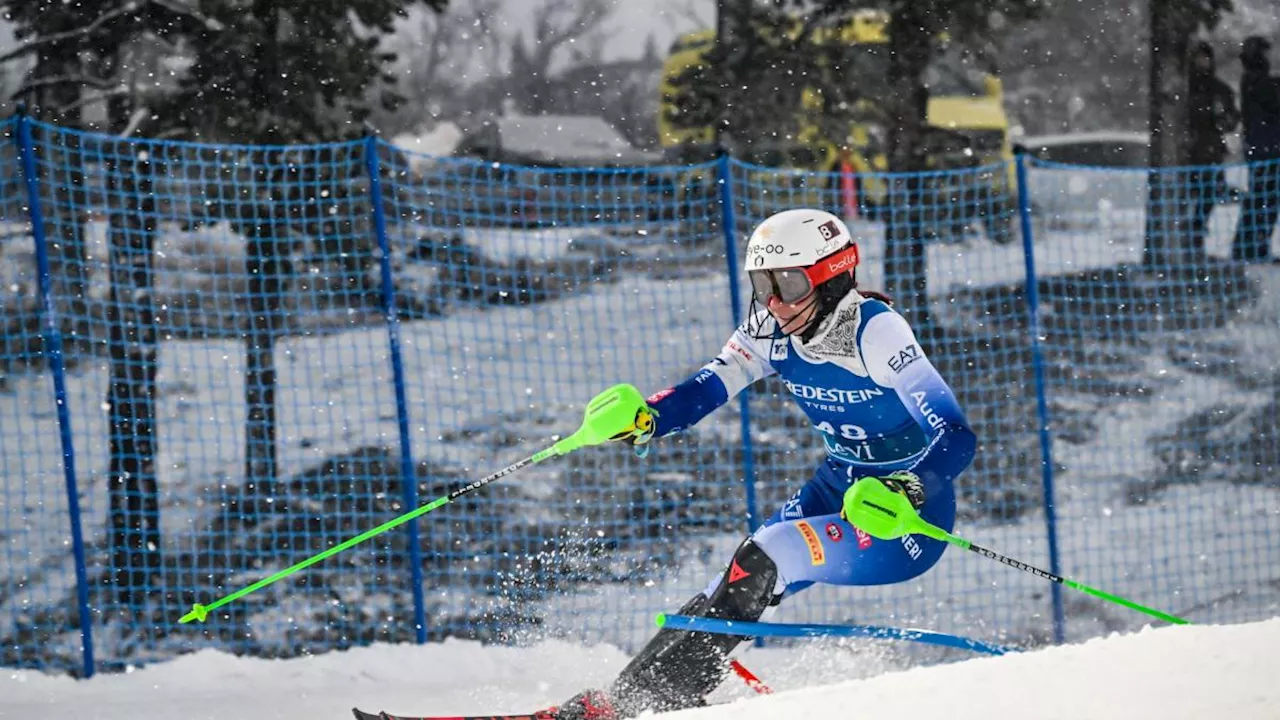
(1042,405)
(408,476)
(727,221)
(53,350)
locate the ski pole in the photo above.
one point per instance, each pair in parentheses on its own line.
(887,515)
(607,413)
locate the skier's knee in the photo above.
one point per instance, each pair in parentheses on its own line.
(677,668)
(748,587)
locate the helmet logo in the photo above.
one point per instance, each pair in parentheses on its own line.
(786,240)
(844,262)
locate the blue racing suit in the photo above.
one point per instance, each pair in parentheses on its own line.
(879,405)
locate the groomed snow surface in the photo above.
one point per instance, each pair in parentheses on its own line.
(1167,673)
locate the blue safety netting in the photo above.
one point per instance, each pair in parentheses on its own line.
(266,350)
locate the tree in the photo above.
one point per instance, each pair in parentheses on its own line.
(754,60)
(914,27)
(651,56)
(557,24)
(1082,66)
(12,73)
(1169,244)
(81,55)
(280,72)
(436,53)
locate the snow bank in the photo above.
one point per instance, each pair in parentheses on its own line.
(1167,673)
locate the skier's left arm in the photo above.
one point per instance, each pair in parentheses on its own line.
(895,360)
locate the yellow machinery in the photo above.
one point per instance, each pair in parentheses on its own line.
(969,127)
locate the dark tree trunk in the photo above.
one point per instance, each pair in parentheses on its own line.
(1169,242)
(263,265)
(134,518)
(905,233)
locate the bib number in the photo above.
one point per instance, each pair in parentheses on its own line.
(848,432)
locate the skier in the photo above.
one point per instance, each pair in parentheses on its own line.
(855,368)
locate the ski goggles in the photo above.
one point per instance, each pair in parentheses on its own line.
(791,285)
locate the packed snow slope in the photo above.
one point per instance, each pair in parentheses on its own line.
(1168,673)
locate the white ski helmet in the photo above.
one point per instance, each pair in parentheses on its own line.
(796,238)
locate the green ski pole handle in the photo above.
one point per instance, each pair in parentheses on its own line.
(608,413)
(888,515)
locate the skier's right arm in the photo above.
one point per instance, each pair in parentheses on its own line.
(741,362)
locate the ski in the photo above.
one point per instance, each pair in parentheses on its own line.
(747,676)
(540,715)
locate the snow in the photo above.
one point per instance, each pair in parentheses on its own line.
(439,140)
(1167,673)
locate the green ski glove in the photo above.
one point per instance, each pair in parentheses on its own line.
(907,484)
(885,508)
(637,429)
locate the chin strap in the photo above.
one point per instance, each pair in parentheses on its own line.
(830,296)
(816,304)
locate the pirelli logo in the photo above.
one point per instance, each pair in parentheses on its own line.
(811,540)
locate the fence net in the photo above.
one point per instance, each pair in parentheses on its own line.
(1160,373)
(271,349)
